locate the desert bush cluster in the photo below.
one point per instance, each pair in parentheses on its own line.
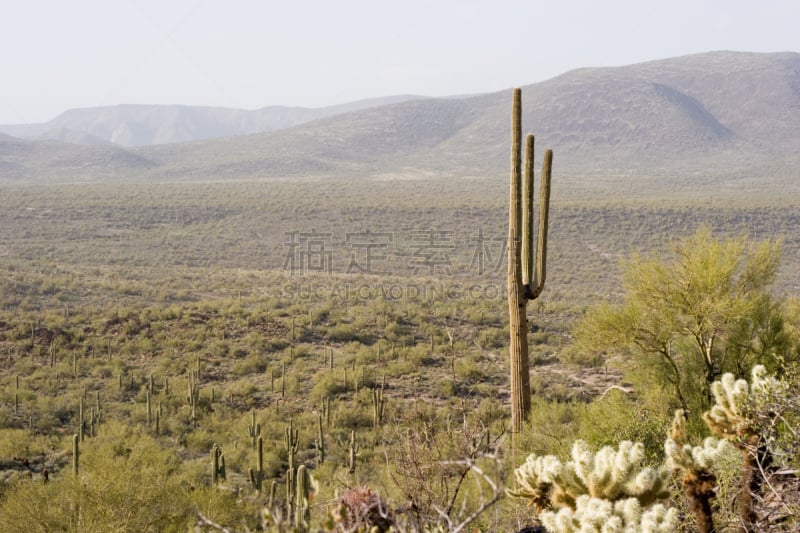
(198,415)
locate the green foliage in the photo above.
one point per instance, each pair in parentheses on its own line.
(251,364)
(344,333)
(224,507)
(617,417)
(20,443)
(705,311)
(123,472)
(330,384)
(199,276)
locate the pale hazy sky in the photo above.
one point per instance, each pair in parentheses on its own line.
(60,54)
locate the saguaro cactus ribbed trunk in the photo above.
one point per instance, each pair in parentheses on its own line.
(524,283)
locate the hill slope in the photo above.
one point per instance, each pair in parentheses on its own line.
(721,112)
(143,125)
(708,119)
(25,161)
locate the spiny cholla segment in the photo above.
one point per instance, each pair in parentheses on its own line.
(608,474)
(603,516)
(735,399)
(685,457)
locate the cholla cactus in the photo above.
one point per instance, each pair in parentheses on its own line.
(736,400)
(687,458)
(609,485)
(544,481)
(695,458)
(603,516)
(735,417)
(608,474)
(616,474)
(695,463)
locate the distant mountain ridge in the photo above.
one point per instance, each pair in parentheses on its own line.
(142,125)
(26,161)
(700,117)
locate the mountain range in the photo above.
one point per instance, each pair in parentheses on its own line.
(143,125)
(717,114)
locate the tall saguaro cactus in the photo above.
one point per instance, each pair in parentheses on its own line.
(524,282)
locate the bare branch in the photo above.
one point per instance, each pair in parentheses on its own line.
(202,520)
(498,493)
(615,387)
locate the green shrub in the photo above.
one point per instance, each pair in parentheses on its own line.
(343,333)
(126,482)
(329,385)
(253,364)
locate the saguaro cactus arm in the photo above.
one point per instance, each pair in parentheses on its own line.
(544,216)
(527,215)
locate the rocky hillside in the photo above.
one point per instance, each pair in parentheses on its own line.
(707,117)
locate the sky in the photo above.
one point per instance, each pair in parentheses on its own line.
(58,54)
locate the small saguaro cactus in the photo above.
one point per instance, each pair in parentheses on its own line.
(81,422)
(352,453)
(273,491)
(303,492)
(94,421)
(193,396)
(283,379)
(149,408)
(326,410)
(257,475)
(217,465)
(320,439)
(378,406)
(524,283)
(76,453)
(254,428)
(291,441)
